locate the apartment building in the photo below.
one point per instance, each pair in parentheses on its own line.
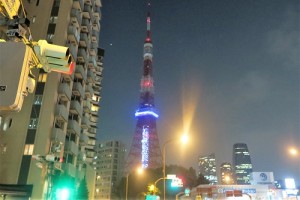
(60,117)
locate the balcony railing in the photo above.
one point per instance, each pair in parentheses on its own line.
(82,56)
(61,113)
(89,91)
(75,108)
(84,139)
(79,72)
(78,4)
(64,92)
(78,89)
(76,17)
(71,147)
(58,135)
(87,105)
(73,127)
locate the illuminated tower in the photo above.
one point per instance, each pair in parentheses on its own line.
(145,150)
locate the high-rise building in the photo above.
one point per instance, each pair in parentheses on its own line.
(60,117)
(207,167)
(145,150)
(226,174)
(109,164)
(242,165)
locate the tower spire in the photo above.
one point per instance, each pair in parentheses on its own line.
(148,38)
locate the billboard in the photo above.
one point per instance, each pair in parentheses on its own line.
(264,178)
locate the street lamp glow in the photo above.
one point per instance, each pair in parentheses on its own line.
(293,151)
(139,171)
(184,138)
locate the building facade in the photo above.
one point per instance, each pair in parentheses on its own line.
(109,168)
(207,167)
(60,117)
(226,173)
(242,165)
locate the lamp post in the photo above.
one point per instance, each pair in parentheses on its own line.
(139,170)
(184,139)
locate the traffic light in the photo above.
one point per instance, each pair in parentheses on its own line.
(52,158)
(15,78)
(54,58)
(62,193)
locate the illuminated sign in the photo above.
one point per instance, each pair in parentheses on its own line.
(145,147)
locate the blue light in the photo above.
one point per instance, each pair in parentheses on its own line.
(145,147)
(145,112)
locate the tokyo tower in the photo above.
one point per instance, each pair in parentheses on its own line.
(145,150)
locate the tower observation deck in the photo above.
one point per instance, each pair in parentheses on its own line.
(145,150)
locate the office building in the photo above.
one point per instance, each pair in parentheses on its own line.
(207,167)
(242,165)
(226,173)
(109,165)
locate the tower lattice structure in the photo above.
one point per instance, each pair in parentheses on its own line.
(145,150)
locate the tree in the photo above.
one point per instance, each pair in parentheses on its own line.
(82,191)
(201,180)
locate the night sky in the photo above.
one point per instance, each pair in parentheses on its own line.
(224,71)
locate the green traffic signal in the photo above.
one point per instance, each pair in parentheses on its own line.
(63,194)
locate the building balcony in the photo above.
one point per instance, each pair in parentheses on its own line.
(87,11)
(82,55)
(87,106)
(84,40)
(73,35)
(75,108)
(71,147)
(73,50)
(85,122)
(97,13)
(79,72)
(94,119)
(88,2)
(92,64)
(78,89)
(58,135)
(89,91)
(96,25)
(78,4)
(91,76)
(73,127)
(92,130)
(99,78)
(95,36)
(84,139)
(98,3)
(76,17)
(61,113)
(99,68)
(86,26)
(64,91)
(93,51)
(69,168)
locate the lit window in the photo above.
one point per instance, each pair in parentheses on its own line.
(33,123)
(42,77)
(37,100)
(28,149)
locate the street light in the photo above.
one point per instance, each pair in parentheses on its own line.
(139,171)
(293,151)
(184,139)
